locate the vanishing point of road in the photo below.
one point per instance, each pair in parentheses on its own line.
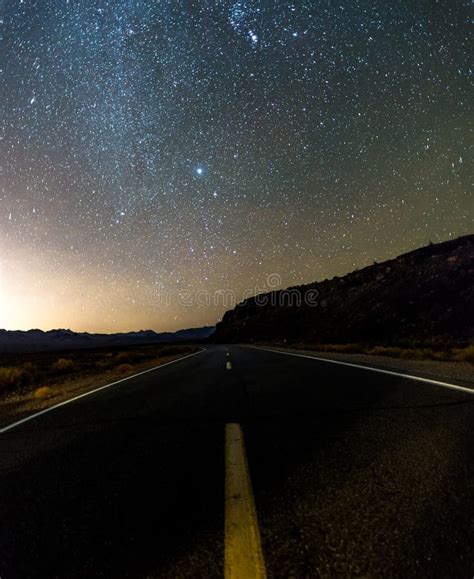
(244,462)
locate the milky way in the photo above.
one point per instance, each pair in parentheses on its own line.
(178,146)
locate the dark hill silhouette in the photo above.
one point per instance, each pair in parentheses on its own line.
(37,340)
(424,296)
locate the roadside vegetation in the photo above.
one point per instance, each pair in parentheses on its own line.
(47,374)
(418,352)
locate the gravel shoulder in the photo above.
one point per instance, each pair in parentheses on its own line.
(459,372)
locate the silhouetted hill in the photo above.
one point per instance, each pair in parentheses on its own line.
(37,340)
(426,295)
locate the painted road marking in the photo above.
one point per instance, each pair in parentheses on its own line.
(243,557)
(69,400)
(229,366)
(372,369)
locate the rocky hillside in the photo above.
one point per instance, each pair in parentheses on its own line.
(425,296)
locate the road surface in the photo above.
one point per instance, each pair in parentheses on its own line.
(353,472)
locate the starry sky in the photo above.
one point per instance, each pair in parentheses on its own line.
(165,148)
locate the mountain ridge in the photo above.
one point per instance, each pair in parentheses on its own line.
(35,340)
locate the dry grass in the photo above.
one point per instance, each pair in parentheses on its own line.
(43,392)
(124,368)
(465,355)
(335,348)
(447,354)
(123,357)
(403,353)
(12,377)
(63,365)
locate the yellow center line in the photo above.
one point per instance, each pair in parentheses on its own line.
(243,549)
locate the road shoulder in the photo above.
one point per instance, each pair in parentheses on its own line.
(461,373)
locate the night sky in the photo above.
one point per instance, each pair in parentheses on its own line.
(176,147)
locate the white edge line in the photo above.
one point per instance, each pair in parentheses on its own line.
(69,400)
(371,369)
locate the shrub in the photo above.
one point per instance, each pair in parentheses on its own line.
(331,347)
(386,351)
(103,364)
(43,392)
(124,357)
(466,354)
(124,368)
(29,367)
(63,365)
(411,353)
(130,357)
(352,348)
(12,377)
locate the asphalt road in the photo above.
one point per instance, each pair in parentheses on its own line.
(353,473)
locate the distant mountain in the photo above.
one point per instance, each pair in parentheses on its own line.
(37,340)
(426,295)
